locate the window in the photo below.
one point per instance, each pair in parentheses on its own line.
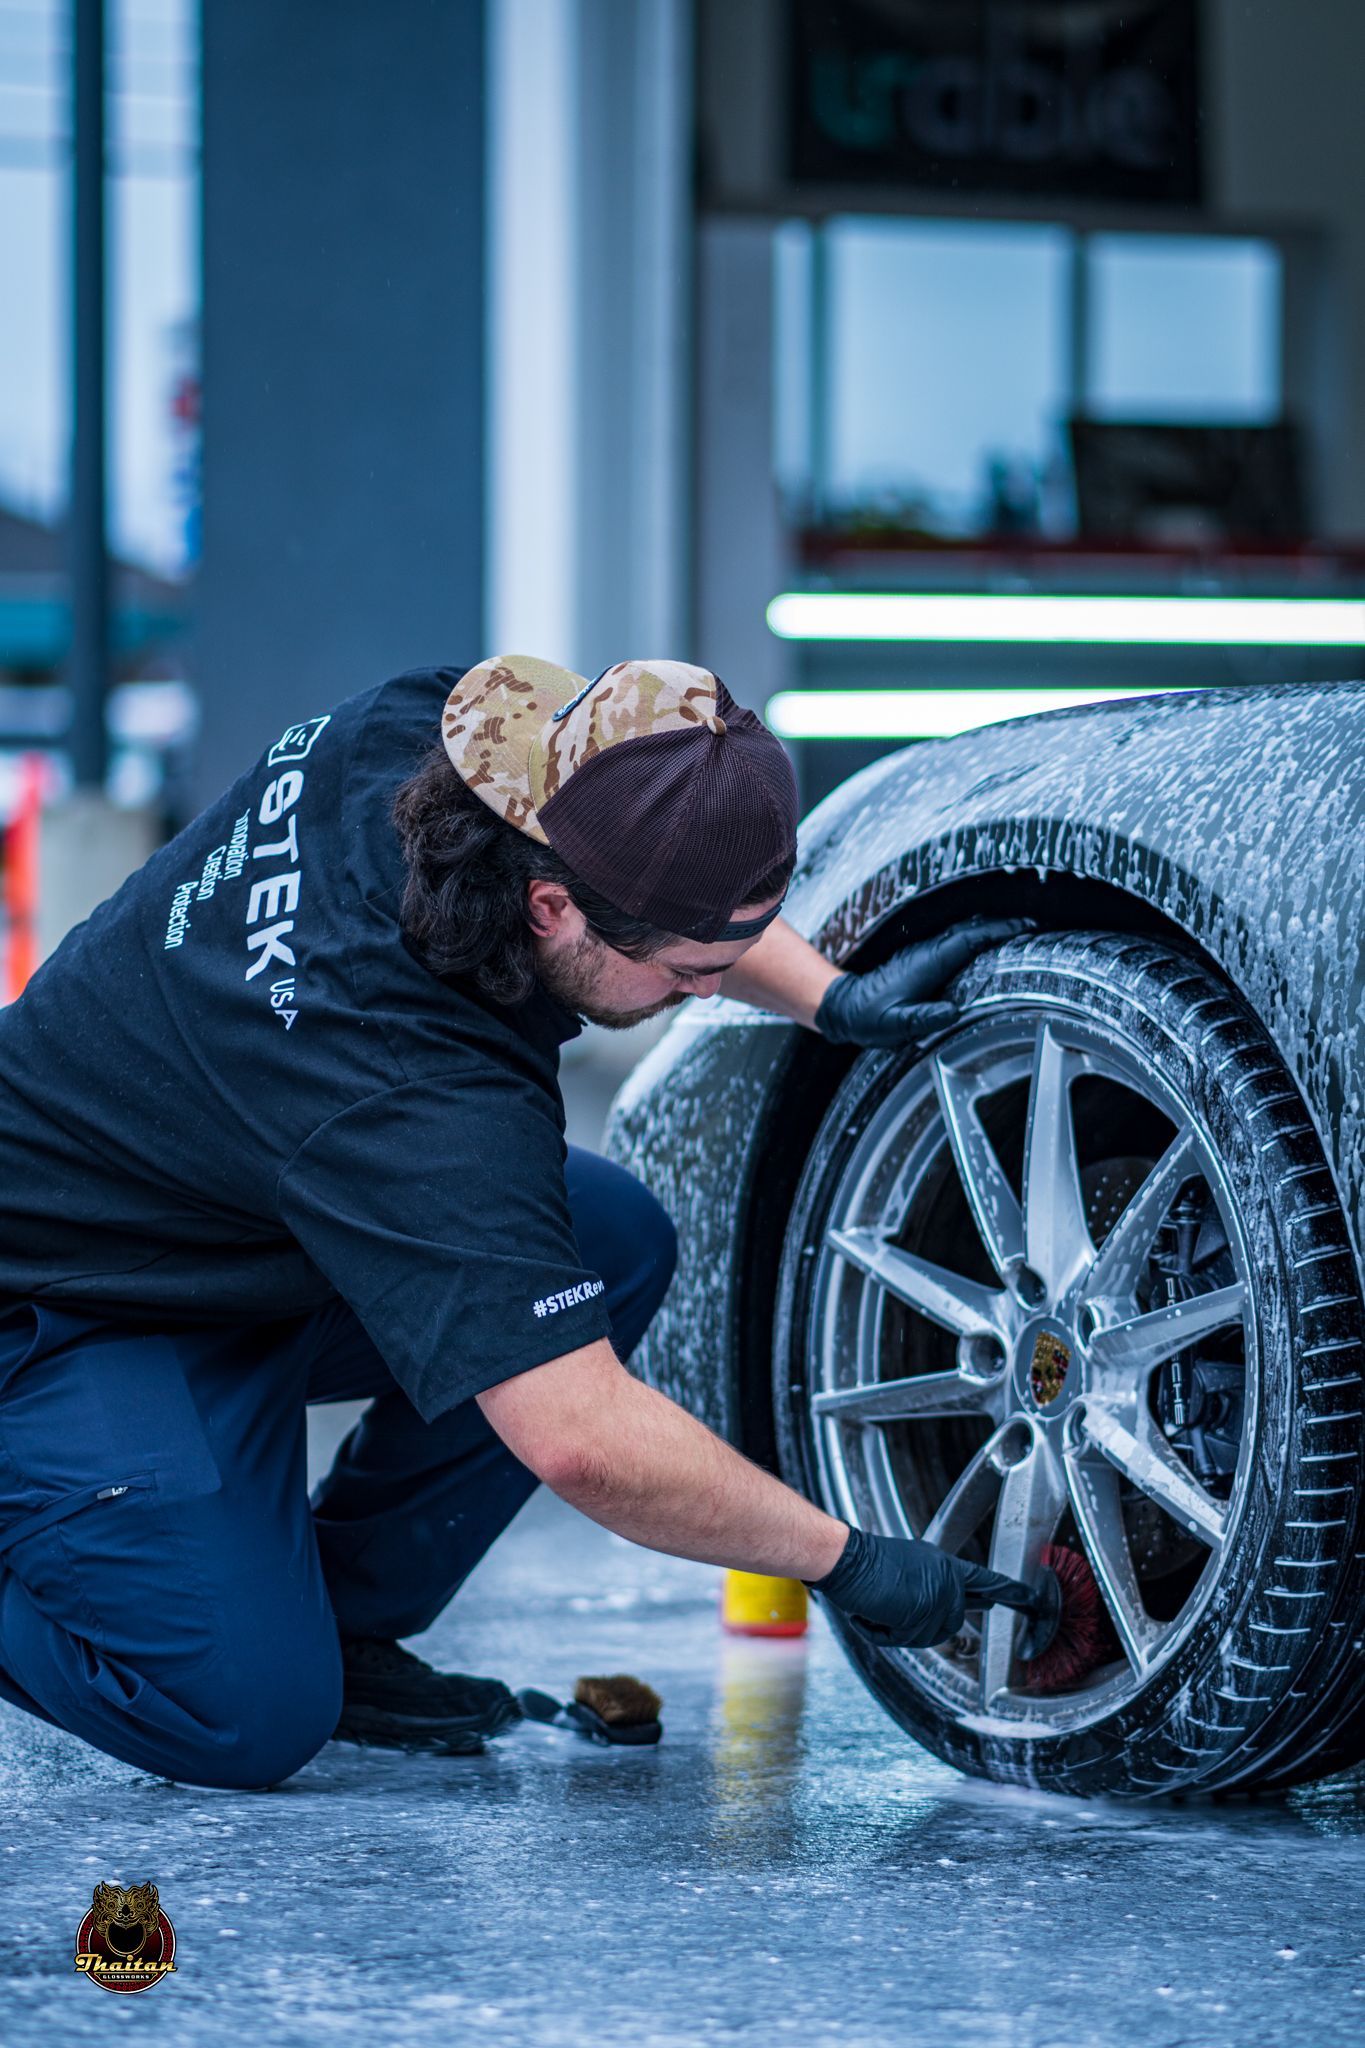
(946,362)
(1183,327)
(35,199)
(152,268)
(925,370)
(151,329)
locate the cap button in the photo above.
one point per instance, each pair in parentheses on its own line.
(717,724)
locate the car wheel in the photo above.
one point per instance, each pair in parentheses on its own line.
(1079,1276)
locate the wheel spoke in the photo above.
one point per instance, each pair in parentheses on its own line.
(972,1494)
(1056,1242)
(919,1398)
(1146,1341)
(994,1206)
(1032,1497)
(962,1306)
(1155,1470)
(1122,1257)
(1092,1485)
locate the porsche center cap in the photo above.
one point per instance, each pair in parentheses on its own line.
(1047,1374)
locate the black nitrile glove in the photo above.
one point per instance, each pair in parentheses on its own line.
(905,1593)
(985,1588)
(888,1007)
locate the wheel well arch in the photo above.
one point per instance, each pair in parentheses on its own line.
(1057,900)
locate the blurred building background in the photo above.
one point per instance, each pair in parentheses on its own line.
(340,338)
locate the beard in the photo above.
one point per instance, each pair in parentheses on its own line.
(573,978)
(624,1020)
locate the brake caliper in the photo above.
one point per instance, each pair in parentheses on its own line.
(1199,1399)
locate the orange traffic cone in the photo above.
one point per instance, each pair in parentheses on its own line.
(752,1605)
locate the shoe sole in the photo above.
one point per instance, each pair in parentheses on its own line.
(381,1728)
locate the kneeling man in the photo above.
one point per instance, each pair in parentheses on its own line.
(280,1123)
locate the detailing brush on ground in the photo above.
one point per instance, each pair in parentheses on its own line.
(608,1710)
(1067,1634)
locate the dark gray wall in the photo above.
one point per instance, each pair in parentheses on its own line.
(343,356)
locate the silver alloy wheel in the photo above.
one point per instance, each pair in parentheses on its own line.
(1053,1351)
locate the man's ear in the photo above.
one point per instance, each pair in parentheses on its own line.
(550,908)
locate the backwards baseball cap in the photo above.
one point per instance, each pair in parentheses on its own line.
(650,783)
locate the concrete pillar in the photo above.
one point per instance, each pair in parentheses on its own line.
(343,356)
(741,548)
(590,468)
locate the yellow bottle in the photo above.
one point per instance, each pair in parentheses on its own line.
(752,1605)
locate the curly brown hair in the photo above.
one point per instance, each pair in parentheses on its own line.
(464,909)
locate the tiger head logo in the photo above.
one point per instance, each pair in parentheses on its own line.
(126,1916)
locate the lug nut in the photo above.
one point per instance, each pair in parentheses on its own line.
(984,1356)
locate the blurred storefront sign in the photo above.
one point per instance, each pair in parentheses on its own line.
(1092,99)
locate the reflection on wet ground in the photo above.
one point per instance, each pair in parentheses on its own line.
(785,1866)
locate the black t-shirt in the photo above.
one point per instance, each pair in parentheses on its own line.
(234,1092)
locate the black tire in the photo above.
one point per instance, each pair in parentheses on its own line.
(1266,1686)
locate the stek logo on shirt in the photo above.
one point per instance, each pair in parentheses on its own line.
(296,741)
(273,895)
(568,1297)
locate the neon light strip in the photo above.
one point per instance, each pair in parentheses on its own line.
(918,714)
(1088,621)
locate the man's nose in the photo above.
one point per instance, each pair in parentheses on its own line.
(705,986)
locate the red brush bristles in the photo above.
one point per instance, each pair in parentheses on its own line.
(1085,1636)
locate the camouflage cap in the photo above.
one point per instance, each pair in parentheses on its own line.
(650,782)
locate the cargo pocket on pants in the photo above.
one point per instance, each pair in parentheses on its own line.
(67,1504)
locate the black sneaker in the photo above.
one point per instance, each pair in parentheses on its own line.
(392,1700)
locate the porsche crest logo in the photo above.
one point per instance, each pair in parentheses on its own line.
(126,1942)
(1048,1371)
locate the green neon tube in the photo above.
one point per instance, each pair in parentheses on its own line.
(920,714)
(1037,617)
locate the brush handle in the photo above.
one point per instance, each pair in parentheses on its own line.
(992,1589)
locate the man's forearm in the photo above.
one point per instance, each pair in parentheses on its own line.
(636,1462)
(667,1482)
(781,972)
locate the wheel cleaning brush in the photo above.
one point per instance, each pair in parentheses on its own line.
(1068,1633)
(608,1710)
(1082,1636)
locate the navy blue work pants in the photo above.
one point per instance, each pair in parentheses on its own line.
(167,1589)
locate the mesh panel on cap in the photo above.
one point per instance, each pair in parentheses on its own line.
(629,701)
(676,827)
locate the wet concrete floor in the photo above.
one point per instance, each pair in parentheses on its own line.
(785,1867)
